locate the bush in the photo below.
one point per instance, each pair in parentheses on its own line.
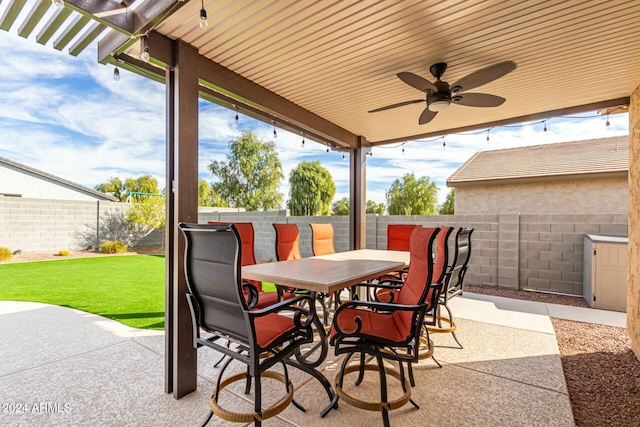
(5,253)
(113,248)
(64,252)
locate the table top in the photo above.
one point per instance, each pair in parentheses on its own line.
(328,273)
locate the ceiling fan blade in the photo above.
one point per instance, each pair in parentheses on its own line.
(400,104)
(417,81)
(477,100)
(484,76)
(426,116)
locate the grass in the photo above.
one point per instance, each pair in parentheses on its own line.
(129,289)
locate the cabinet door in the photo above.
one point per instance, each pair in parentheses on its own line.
(611,276)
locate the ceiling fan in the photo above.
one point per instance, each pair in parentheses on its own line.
(440,94)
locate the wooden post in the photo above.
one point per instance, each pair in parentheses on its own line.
(358,193)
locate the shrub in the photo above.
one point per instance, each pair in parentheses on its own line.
(113,248)
(5,253)
(64,252)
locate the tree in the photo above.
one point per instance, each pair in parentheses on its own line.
(312,189)
(409,196)
(121,189)
(114,186)
(375,208)
(251,175)
(341,207)
(207,196)
(150,212)
(447,207)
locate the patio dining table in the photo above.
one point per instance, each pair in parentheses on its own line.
(326,274)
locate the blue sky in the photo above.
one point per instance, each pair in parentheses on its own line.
(68,117)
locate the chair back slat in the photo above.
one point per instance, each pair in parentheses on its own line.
(287,242)
(212,270)
(322,239)
(462,255)
(398,236)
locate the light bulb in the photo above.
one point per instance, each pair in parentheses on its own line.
(545,128)
(116,74)
(607,125)
(403,150)
(327,150)
(58,3)
(444,145)
(144,56)
(488,139)
(236,119)
(302,141)
(343,158)
(203,19)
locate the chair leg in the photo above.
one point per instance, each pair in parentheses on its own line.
(383,391)
(206,421)
(451,322)
(258,400)
(247,387)
(361,373)
(228,345)
(288,384)
(402,381)
(412,380)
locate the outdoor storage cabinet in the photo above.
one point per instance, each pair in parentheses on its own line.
(605,272)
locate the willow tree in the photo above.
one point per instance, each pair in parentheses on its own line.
(411,196)
(249,178)
(311,189)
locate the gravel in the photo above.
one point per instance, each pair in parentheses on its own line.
(601,371)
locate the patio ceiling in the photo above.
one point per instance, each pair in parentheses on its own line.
(324,64)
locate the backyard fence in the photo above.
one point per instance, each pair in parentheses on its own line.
(518,251)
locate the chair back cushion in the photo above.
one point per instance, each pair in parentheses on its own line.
(398,236)
(287,242)
(247,237)
(442,254)
(212,270)
(416,288)
(322,239)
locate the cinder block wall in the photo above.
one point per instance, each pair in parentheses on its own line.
(542,252)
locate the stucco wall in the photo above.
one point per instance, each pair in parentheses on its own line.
(633,290)
(15,181)
(588,196)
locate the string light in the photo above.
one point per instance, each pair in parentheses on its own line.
(403,149)
(303,140)
(144,55)
(116,73)
(236,119)
(444,144)
(607,125)
(488,139)
(327,150)
(343,158)
(203,18)
(545,127)
(275,134)
(58,3)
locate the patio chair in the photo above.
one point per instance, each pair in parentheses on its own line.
(388,331)
(322,244)
(454,282)
(216,300)
(287,242)
(247,238)
(398,236)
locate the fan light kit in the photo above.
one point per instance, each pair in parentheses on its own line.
(439,95)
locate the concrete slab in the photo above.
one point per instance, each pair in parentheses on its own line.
(588,315)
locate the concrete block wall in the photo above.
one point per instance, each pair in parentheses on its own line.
(551,248)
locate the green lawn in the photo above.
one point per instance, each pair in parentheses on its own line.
(129,289)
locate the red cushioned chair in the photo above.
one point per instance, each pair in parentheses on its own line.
(287,242)
(247,237)
(398,236)
(453,283)
(388,330)
(322,244)
(218,306)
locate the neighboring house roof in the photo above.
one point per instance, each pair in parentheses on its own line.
(59,180)
(606,157)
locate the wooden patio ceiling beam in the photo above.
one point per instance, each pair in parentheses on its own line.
(85,39)
(71,31)
(35,15)
(521,119)
(11,13)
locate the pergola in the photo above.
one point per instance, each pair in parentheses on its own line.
(317,67)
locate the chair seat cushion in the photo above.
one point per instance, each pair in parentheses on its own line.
(265,299)
(374,324)
(271,327)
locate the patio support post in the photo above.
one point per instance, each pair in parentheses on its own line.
(182,206)
(357,193)
(633,275)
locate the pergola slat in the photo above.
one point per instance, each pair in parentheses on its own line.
(72,30)
(11,13)
(36,14)
(53,25)
(85,39)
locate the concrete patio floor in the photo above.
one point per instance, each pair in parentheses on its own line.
(66,367)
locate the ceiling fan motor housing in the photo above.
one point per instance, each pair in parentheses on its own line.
(438,101)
